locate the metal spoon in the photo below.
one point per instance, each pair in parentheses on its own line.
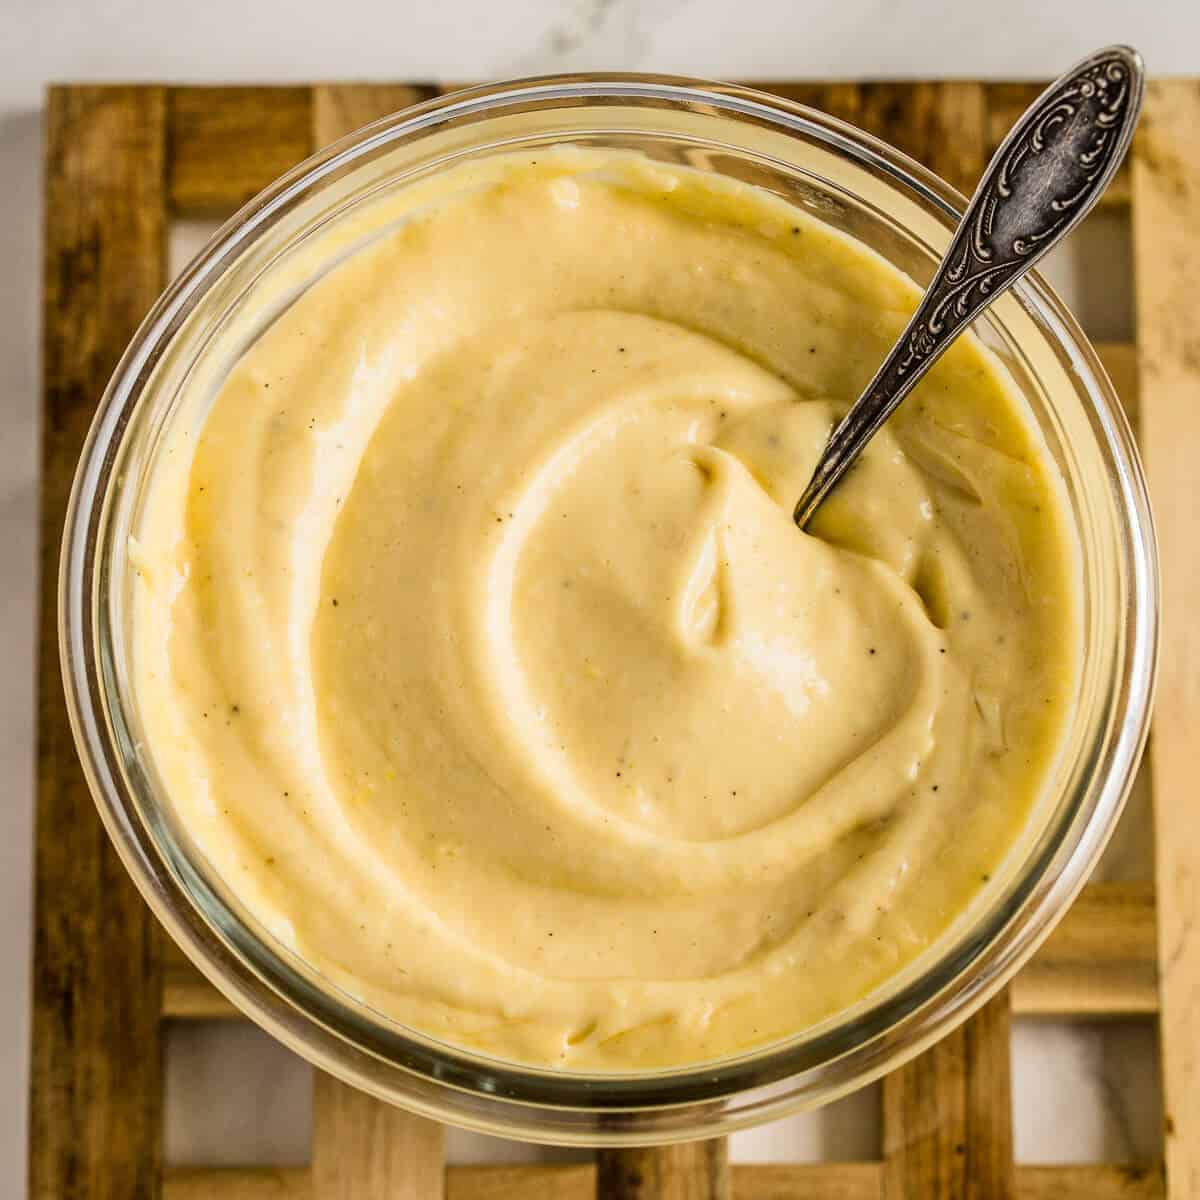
(1045,177)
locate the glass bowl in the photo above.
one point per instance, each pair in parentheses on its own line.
(285,238)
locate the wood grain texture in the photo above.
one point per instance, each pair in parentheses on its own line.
(228,143)
(96,1060)
(1115,990)
(574,1181)
(188,996)
(1091,1183)
(840,100)
(988,1169)
(1166,218)
(1121,362)
(340,108)
(812,1181)
(1109,921)
(947,1116)
(687,1171)
(948,127)
(237,1183)
(541,1182)
(925,1124)
(364,1149)
(809,1181)
(941,125)
(1099,961)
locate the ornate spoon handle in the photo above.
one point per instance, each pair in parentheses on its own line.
(1046,175)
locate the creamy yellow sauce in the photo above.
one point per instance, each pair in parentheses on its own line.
(479,654)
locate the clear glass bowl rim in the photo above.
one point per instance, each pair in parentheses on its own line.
(568,1108)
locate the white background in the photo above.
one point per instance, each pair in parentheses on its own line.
(282,40)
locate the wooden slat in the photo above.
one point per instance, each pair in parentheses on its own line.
(840,100)
(687,1171)
(227,143)
(947,1116)
(237,1183)
(941,125)
(897,111)
(1090,1183)
(1166,218)
(1100,959)
(576,1181)
(340,108)
(96,1061)
(1007,101)
(925,1123)
(364,1149)
(988,1169)
(1114,990)
(556,1181)
(1112,921)
(188,996)
(809,1181)
(1121,362)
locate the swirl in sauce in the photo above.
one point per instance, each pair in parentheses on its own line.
(480,655)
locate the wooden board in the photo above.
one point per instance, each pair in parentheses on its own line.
(96,1061)
(121,163)
(1166,221)
(815,1181)
(364,1149)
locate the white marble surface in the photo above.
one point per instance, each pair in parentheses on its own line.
(1080,1094)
